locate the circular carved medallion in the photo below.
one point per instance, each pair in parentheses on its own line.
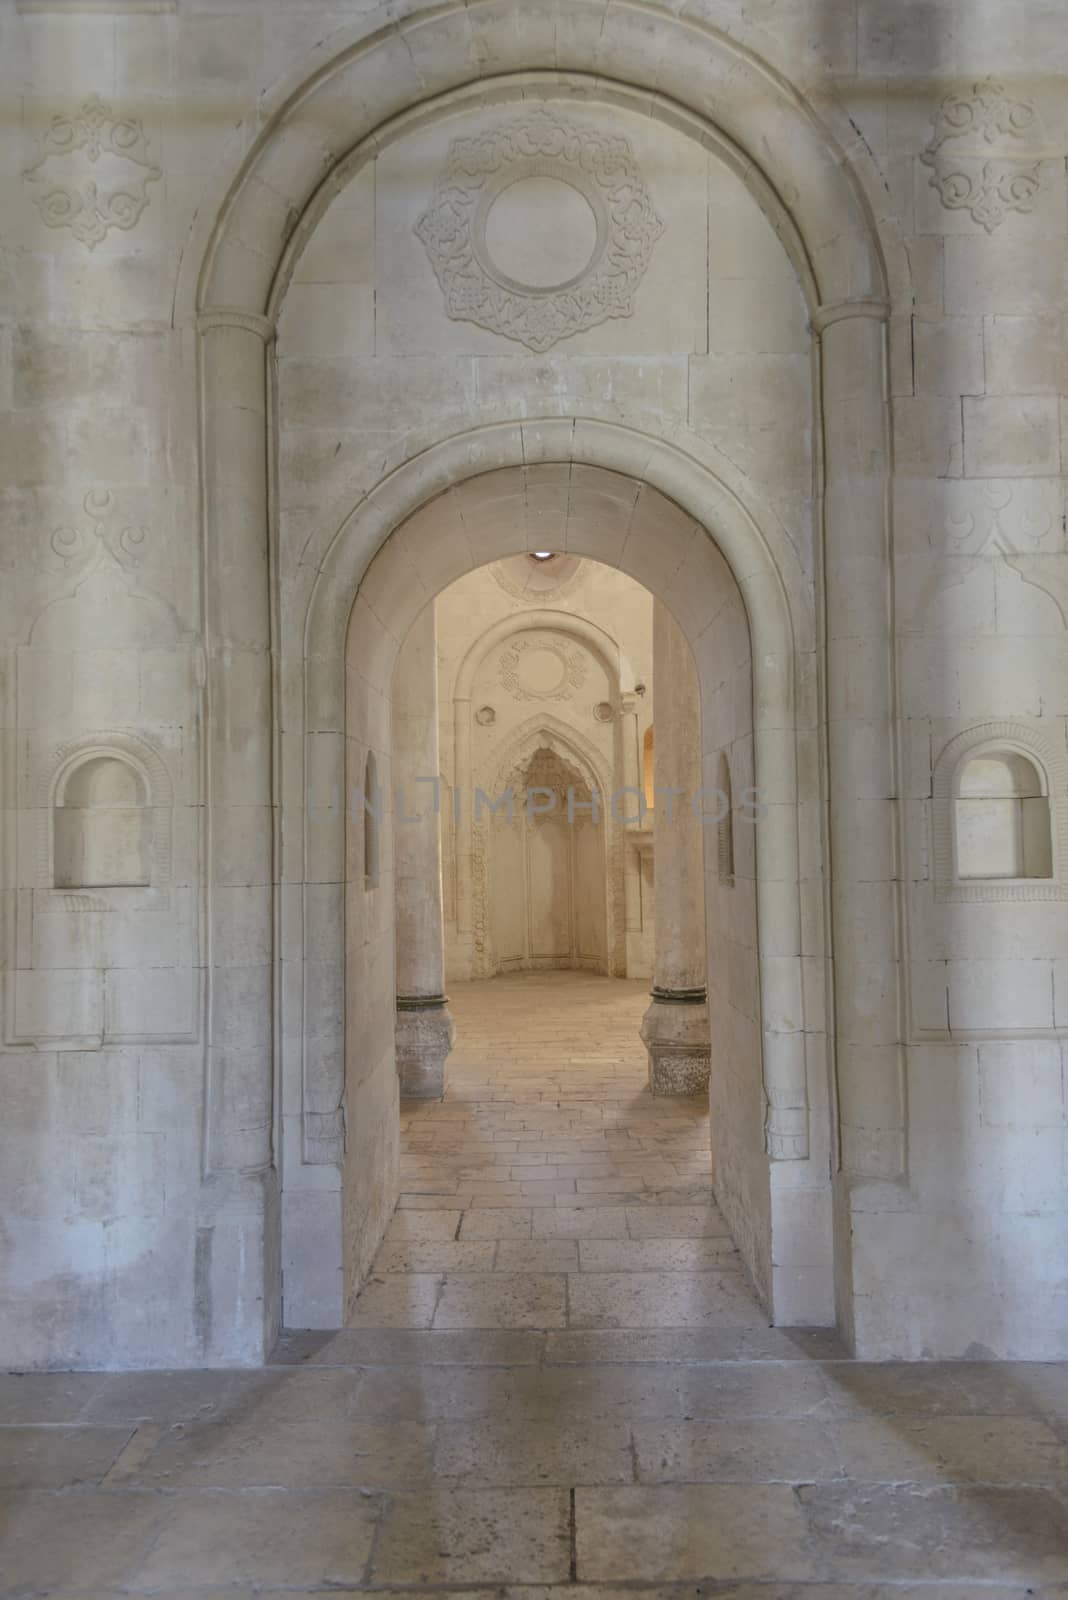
(539,667)
(539,229)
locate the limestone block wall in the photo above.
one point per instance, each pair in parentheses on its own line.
(979,378)
(169,1056)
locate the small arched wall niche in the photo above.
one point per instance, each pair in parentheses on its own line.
(102,826)
(105,817)
(1002,818)
(999,816)
(110,906)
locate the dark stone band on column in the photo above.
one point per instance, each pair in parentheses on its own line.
(680,997)
(422,1002)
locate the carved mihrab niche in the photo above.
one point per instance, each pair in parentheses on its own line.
(979,156)
(539,229)
(92,173)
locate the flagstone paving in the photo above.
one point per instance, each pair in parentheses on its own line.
(559,1385)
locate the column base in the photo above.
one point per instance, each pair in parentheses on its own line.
(425,1033)
(675,1030)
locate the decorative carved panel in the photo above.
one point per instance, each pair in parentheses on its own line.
(519,277)
(981,156)
(93,172)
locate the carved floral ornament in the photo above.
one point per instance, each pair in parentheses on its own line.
(73,191)
(979,157)
(601,168)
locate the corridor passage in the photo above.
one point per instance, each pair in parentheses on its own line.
(549,1189)
(559,1387)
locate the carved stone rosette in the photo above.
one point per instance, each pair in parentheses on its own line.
(69,193)
(978,155)
(453,229)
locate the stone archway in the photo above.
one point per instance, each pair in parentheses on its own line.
(827,225)
(359,615)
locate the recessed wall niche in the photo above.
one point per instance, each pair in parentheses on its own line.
(999,816)
(1002,818)
(103,827)
(105,817)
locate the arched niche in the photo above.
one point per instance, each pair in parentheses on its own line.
(105,817)
(998,815)
(547,887)
(546,752)
(103,827)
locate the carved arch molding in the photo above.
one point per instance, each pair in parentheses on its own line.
(237,269)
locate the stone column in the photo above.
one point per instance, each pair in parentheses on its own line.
(238,1125)
(461,820)
(676,1028)
(238,1241)
(860,713)
(630,762)
(425,1028)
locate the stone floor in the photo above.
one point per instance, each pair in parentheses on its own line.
(560,1388)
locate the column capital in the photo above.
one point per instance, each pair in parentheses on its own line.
(235,317)
(846,310)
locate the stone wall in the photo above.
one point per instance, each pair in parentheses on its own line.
(172,1039)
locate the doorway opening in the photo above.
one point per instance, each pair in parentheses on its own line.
(555,1162)
(544,688)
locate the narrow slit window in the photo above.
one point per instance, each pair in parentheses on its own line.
(725,830)
(372,823)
